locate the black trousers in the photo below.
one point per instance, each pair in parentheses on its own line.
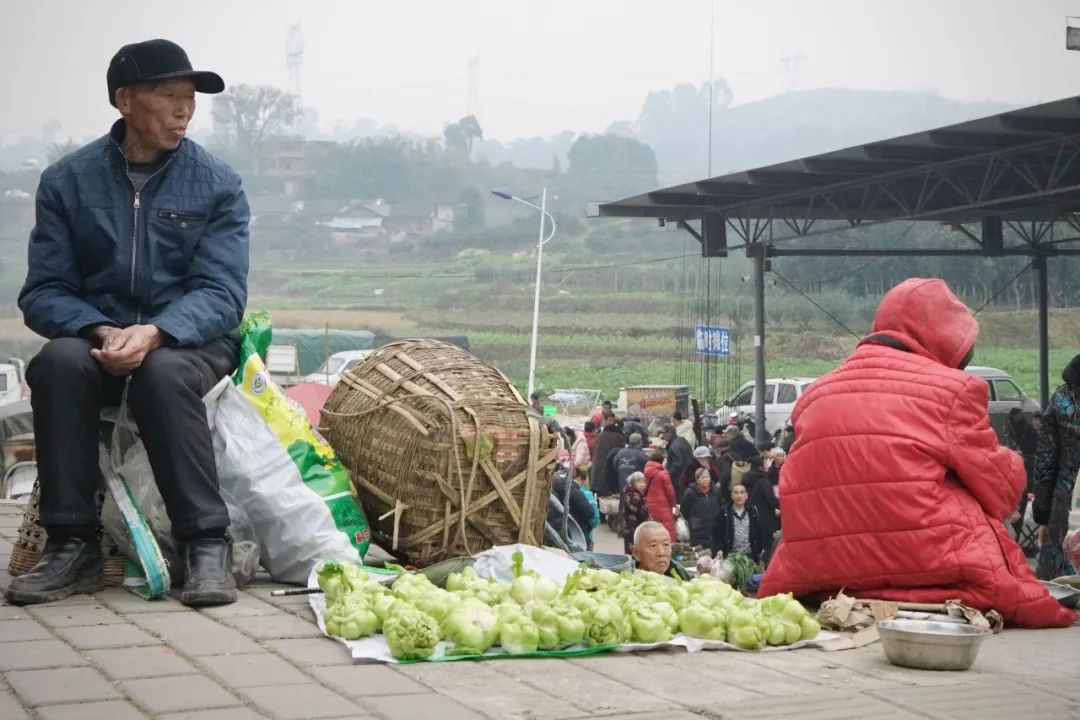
(69,389)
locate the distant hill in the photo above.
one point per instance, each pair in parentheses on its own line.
(675,124)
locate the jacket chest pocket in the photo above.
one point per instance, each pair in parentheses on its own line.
(175,236)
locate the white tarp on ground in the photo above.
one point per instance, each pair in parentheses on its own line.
(496,563)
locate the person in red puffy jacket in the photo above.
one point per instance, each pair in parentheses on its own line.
(896,487)
(660,493)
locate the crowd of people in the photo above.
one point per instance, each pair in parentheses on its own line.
(720,496)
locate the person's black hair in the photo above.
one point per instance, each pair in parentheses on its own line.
(534,396)
(570,435)
(590,426)
(1071,373)
(656,454)
(676,415)
(606,403)
(762,447)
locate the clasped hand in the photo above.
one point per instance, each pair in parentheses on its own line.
(122,351)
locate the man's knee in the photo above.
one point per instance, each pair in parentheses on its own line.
(64,360)
(165,373)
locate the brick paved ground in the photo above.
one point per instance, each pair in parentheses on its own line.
(114,656)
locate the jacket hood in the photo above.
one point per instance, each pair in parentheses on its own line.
(1071,373)
(924,315)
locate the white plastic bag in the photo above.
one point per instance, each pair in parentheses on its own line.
(293,524)
(129,461)
(682,530)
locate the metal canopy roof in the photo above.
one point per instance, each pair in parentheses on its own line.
(1017,167)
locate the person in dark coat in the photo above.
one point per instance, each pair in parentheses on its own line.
(679,457)
(1056,467)
(761,496)
(739,449)
(635,509)
(737,528)
(703,458)
(700,506)
(629,460)
(581,510)
(633,425)
(604,481)
(137,278)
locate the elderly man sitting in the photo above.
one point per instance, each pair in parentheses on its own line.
(652,550)
(137,277)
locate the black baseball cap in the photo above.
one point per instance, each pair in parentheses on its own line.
(156,60)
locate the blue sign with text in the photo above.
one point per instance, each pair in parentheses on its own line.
(712,340)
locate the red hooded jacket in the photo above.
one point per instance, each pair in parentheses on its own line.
(660,496)
(896,487)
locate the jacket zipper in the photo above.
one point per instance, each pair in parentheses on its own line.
(135,229)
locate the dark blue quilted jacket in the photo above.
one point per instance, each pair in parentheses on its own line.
(174,255)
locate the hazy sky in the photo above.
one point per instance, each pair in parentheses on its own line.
(544,66)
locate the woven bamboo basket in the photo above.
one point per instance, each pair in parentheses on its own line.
(442,453)
(32,536)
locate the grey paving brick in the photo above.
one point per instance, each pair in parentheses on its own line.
(590,693)
(38,654)
(74,615)
(994,700)
(180,692)
(279,626)
(672,714)
(24,629)
(115,710)
(358,681)
(70,600)
(424,706)
(66,685)
(96,637)
(140,662)
(246,604)
(312,651)
(194,634)
(820,706)
(239,671)
(470,685)
(298,702)
(126,603)
(235,713)
(10,707)
(658,676)
(13,612)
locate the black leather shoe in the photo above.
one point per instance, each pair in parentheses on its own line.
(208,578)
(67,566)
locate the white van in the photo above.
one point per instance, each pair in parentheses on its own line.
(336,365)
(780,397)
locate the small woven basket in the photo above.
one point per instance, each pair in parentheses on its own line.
(32,536)
(443,454)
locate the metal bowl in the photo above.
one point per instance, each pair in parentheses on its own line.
(928,645)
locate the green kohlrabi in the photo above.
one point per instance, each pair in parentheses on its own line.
(519,634)
(411,634)
(472,627)
(605,624)
(350,618)
(648,626)
(702,622)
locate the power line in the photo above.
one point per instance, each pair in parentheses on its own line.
(810,300)
(1003,287)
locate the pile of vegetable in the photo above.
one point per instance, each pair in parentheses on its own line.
(593,608)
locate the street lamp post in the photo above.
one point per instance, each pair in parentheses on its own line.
(541,241)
